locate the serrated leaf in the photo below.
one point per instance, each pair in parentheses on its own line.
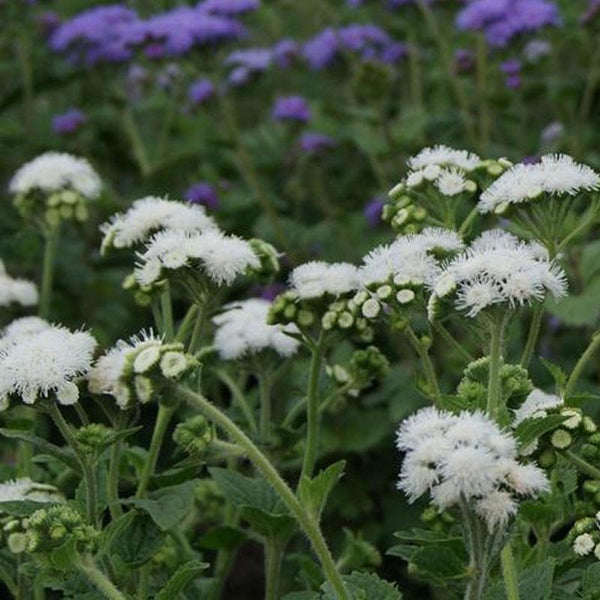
(559,376)
(62,558)
(114,529)
(535,583)
(531,429)
(314,492)
(182,577)
(66,456)
(22,508)
(365,586)
(137,542)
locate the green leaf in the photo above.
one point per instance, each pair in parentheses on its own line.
(559,376)
(590,260)
(313,493)
(169,505)
(532,429)
(138,541)
(223,537)
(22,508)
(302,596)
(66,456)
(259,503)
(182,577)
(577,311)
(365,586)
(117,436)
(62,558)
(535,583)
(114,529)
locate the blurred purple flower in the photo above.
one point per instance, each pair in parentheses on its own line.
(201,91)
(203,193)
(291,108)
(68,122)
(284,51)
(534,159)
(49,21)
(270,291)
(321,50)
(502,20)
(229,7)
(372,211)
(311,142)
(512,69)
(592,11)
(464,61)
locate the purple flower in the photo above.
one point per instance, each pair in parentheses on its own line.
(68,122)
(291,108)
(229,7)
(201,91)
(270,291)
(372,211)
(464,61)
(502,20)
(322,49)
(203,193)
(591,13)
(394,52)
(311,142)
(284,51)
(49,21)
(512,69)
(531,160)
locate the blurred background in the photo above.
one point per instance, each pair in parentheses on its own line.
(289,120)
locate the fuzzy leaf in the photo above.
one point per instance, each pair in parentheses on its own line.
(531,429)
(365,586)
(314,492)
(137,542)
(182,577)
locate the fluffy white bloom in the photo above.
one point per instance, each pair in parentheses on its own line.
(317,278)
(242,329)
(18,291)
(35,366)
(583,544)
(221,257)
(22,327)
(444,156)
(498,268)
(465,456)
(554,174)
(18,490)
(150,215)
(55,171)
(535,406)
(451,182)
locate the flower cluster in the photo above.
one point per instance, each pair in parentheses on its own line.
(194,435)
(58,184)
(135,372)
(242,330)
(497,268)
(15,290)
(45,365)
(465,457)
(361,371)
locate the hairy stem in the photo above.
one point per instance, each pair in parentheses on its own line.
(428,369)
(137,144)
(532,337)
(273,559)
(583,465)
(264,387)
(238,398)
(450,339)
(581,364)
(96,577)
(50,244)
(112,491)
(307,523)
(496,344)
(509,573)
(167,312)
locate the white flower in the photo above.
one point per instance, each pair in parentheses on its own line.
(526,480)
(496,509)
(54,171)
(583,544)
(219,257)
(535,406)
(18,490)
(554,174)
(146,358)
(317,278)
(19,291)
(451,182)
(22,327)
(173,364)
(36,365)
(444,156)
(242,329)
(152,214)
(370,309)
(498,268)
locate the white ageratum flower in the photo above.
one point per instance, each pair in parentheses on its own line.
(536,406)
(22,327)
(219,257)
(19,490)
(242,329)
(583,544)
(44,364)
(443,156)
(465,456)
(451,182)
(55,171)
(409,260)
(499,268)
(16,291)
(318,278)
(555,174)
(150,215)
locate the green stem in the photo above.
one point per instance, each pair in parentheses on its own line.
(186,322)
(450,339)
(307,523)
(23,51)
(273,559)
(583,465)
(163,419)
(264,386)
(88,472)
(423,354)
(581,364)
(312,409)
(591,83)
(586,222)
(137,144)
(197,331)
(50,244)
(167,312)
(466,224)
(534,332)
(91,572)
(496,344)
(482,90)
(238,397)
(509,573)
(112,491)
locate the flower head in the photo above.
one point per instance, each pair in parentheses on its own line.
(16,291)
(291,108)
(68,122)
(536,406)
(443,156)
(242,329)
(201,91)
(317,278)
(203,193)
(47,363)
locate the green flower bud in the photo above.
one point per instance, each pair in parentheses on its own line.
(92,437)
(17,543)
(194,435)
(305,318)
(561,439)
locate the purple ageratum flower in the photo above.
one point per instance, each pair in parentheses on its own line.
(312,143)
(284,51)
(321,50)
(201,91)
(291,108)
(534,159)
(270,291)
(512,70)
(203,193)
(464,61)
(229,8)
(68,122)
(372,211)
(502,20)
